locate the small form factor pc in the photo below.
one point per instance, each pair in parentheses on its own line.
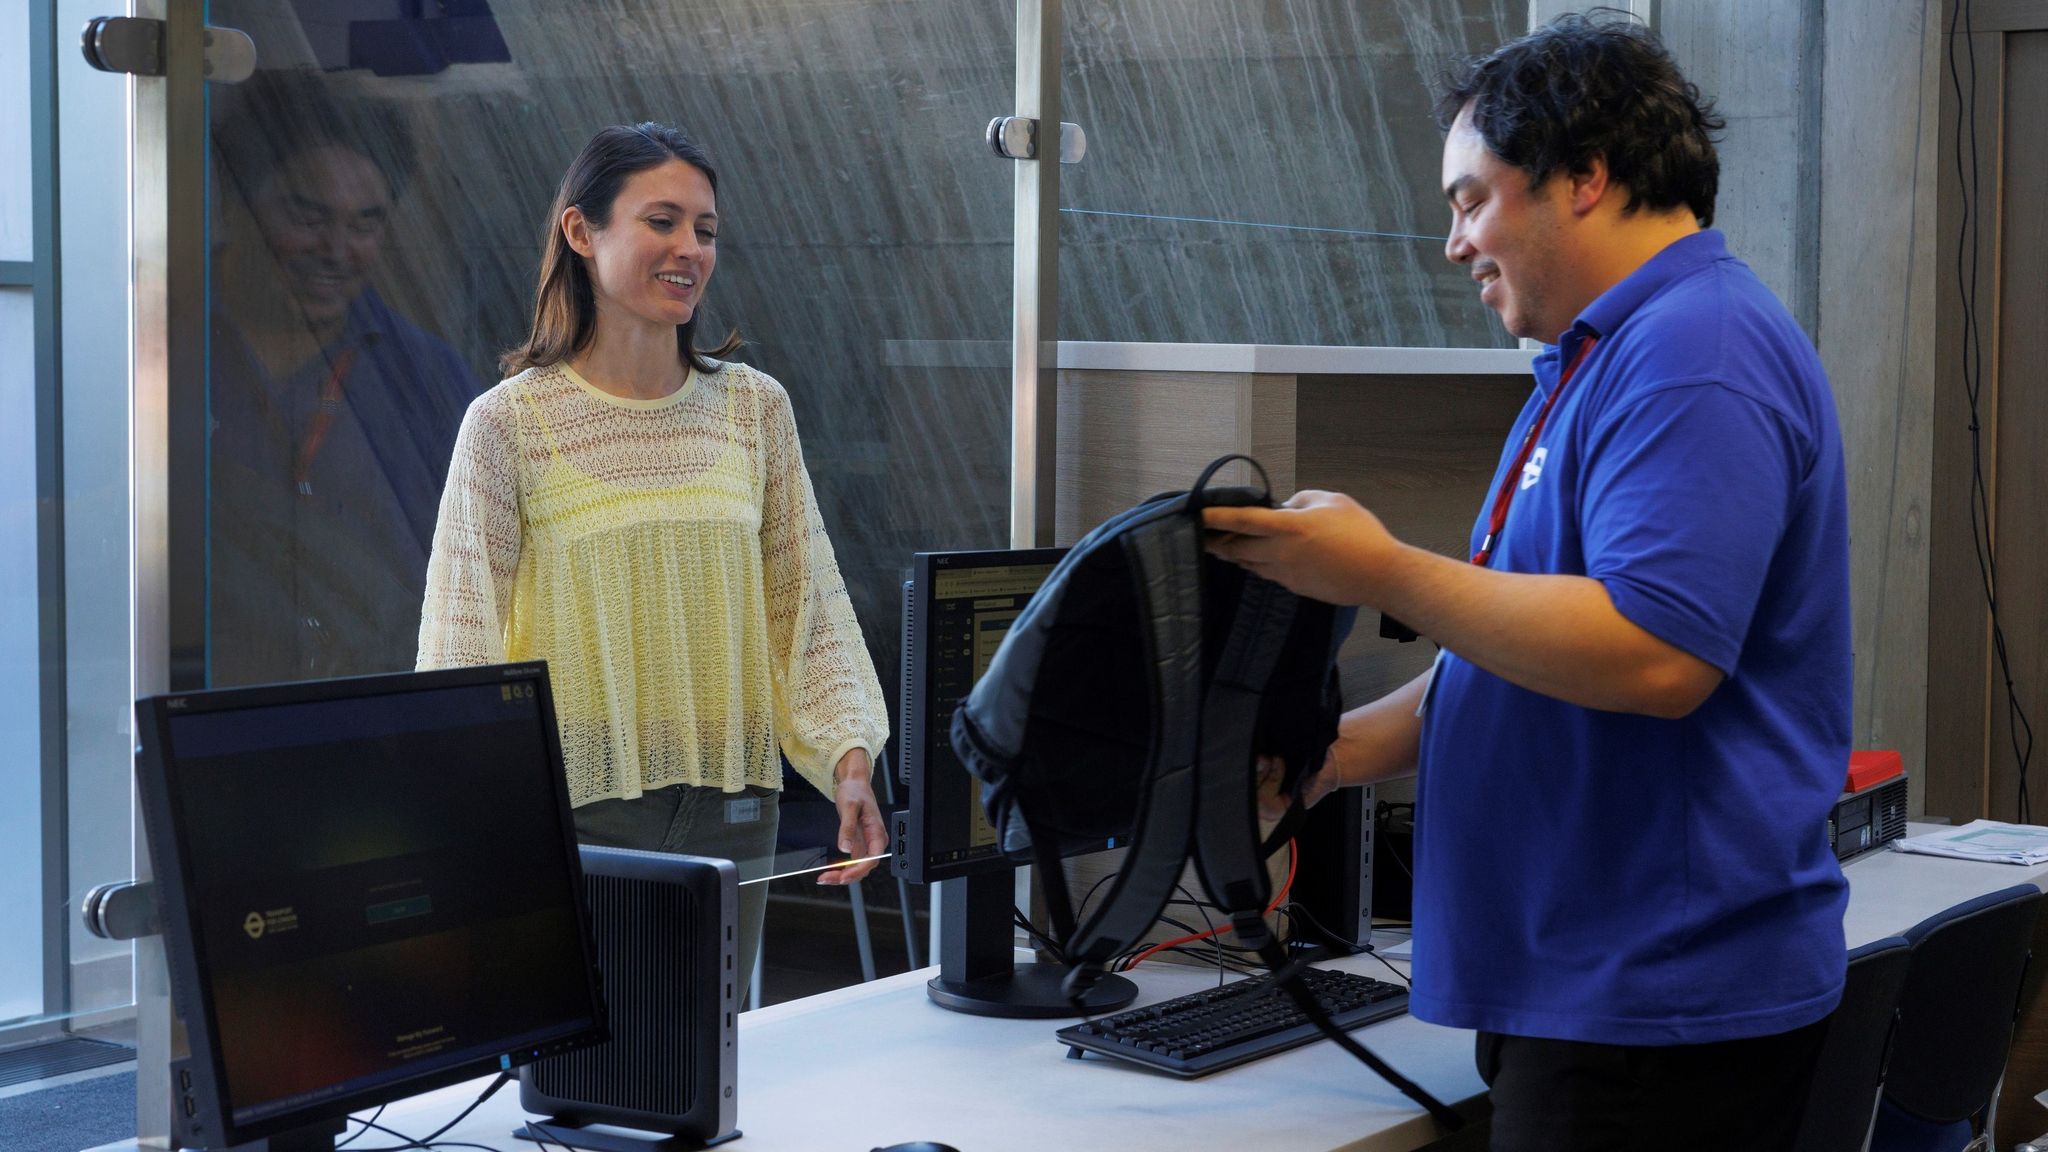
(1872,810)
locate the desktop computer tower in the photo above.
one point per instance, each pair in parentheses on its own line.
(1333,878)
(666,932)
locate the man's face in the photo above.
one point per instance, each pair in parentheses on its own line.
(324,216)
(1510,238)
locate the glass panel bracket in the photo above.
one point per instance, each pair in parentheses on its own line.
(1016,138)
(135,45)
(122,910)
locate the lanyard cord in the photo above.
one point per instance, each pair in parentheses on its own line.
(1512,481)
(323,419)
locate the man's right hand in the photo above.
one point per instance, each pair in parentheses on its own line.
(1323,545)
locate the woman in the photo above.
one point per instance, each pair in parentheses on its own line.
(636,513)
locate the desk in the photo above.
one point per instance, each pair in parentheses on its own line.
(878,1063)
(1890,892)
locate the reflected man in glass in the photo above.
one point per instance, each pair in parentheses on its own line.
(332,416)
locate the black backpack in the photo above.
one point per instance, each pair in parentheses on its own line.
(1131,696)
(1134,695)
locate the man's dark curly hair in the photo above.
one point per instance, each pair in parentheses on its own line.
(1587,85)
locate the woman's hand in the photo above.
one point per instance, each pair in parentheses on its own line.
(860,819)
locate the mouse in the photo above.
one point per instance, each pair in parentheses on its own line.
(919,1146)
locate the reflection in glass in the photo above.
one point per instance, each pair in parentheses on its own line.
(1265,174)
(331,413)
(866,246)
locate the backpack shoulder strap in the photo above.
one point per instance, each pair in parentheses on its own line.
(1164,561)
(1227,833)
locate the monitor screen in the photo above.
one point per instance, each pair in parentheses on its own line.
(958,607)
(369,886)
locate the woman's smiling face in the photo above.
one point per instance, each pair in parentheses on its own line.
(651,262)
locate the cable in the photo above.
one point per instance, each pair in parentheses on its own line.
(1296,909)
(374,1117)
(1124,961)
(411,1143)
(1293,860)
(1229,966)
(2018,728)
(1051,946)
(1081,909)
(503,1079)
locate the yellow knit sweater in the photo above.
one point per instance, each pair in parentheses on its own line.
(667,560)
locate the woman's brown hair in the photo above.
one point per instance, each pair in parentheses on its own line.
(564,307)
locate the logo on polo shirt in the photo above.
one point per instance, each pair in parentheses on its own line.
(1533,470)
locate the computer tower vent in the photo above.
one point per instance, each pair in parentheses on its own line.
(663,926)
(1891,811)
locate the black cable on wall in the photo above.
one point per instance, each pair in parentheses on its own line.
(2018,729)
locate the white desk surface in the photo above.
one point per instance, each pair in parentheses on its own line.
(876,1064)
(1890,892)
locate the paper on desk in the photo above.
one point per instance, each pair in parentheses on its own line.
(1983,840)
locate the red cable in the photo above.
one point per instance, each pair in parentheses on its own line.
(1279,899)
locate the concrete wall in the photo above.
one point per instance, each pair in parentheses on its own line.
(1827,190)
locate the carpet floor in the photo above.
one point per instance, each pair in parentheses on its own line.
(70,1117)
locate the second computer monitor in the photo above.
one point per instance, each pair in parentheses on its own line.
(958,606)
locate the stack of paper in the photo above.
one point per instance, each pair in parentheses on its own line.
(1983,840)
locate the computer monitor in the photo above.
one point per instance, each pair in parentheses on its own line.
(369,888)
(957,607)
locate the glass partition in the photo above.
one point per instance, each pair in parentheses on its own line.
(21,897)
(16,233)
(64,525)
(380,192)
(1265,174)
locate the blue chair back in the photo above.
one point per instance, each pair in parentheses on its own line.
(1956,1016)
(1843,1099)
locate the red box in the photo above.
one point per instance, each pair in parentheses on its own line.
(1873,767)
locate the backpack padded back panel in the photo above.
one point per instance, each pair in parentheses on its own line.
(1121,703)
(1098,650)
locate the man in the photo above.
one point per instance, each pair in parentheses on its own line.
(1641,711)
(332,415)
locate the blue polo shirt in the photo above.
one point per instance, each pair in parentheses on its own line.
(327,581)
(1622,879)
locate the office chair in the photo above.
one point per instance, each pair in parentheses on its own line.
(1956,1016)
(1843,1101)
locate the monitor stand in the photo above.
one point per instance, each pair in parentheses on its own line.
(318,1136)
(550,1132)
(977,974)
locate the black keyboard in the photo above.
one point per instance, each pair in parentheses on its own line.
(1220,1028)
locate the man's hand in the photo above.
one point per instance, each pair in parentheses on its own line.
(1273,802)
(1322,545)
(860,819)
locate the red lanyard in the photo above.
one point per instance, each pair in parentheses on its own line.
(1512,482)
(323,419)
